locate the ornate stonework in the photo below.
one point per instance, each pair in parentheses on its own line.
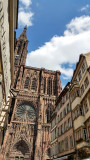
(28,134)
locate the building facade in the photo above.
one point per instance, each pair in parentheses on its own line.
(80,102)
(62,134)
(35,91)
(8,22)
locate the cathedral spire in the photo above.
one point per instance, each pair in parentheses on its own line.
(25,28)
(21,48)
(23,35)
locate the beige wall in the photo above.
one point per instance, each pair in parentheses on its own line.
(5,50)
(81,103)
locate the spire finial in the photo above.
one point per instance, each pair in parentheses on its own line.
(25,28)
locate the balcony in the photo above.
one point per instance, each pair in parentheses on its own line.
(76,102)
(79,121)
(79,140)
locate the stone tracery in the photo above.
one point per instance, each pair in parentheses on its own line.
(28,134)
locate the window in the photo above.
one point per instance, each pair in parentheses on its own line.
(66,143)
(55,133)
(67,96)
(84,134)
(16,158)
(54,87)
(81,111)
(78,135)
(59,147)
(82,89)
(26,82)
(62,145)
(68,107)
(61,116)
(64,112)
(69,123)
(65,126)
(62,129)
(59,131)
(21,158)
(86,82)
(44,85)
(79,76)
(76,113)
(73,96)
(78,93)
(33,84)
(86,107)
(83,68)
(71,141)
(58,118)
(49,87)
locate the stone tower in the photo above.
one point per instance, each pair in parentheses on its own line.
(28,132)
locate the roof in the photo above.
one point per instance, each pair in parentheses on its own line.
(87,56)
(66,88)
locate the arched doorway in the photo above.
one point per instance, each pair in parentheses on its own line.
(20,151)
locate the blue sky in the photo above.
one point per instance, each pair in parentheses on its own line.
(58,32)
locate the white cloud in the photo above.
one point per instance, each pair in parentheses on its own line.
(63,49)
(25,15)
(25,18)
(85,8)
(27,3)
(78,25)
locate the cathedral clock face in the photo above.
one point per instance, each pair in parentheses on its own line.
(25,112)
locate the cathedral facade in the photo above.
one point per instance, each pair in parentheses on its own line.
(35,91)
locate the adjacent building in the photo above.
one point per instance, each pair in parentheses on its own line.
(80,103)
(62,134)
(8,22)
(70,121)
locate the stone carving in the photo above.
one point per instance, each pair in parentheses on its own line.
(24,137)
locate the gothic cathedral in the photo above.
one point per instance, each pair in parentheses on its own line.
(35,91)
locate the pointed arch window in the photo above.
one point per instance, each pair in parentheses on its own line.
(49,87)
(26,82)
(54,87)
(48,114)
(44,85)
(33,84)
